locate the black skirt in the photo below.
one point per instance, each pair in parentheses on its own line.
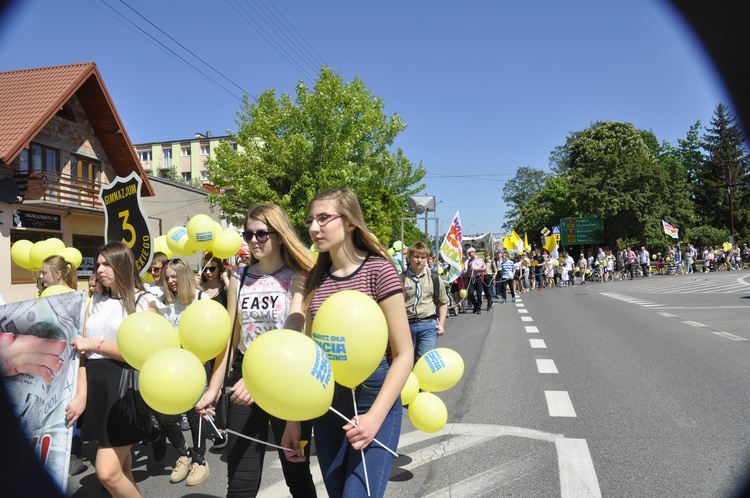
(104,422)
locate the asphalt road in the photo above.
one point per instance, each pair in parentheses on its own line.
(628,388)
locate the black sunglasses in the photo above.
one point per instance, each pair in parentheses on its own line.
(154,268)
(260,235)
(211,268)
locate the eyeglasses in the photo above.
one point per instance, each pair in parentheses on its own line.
(177,261)
(261,235)
(154,269)
(211,268)
(322,219)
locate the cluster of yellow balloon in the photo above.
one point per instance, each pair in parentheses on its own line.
(31,255)
(292,376)
(201,234)
(172,377)
(438,370)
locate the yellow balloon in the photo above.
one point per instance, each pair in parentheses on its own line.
(72,256)
(440,270)
(57,244)
(288,375)
(172,380)
(204,328)
(653,256)
(201,230)
(160,245)
(534,262)
(410,390)
(39,252)
(439,369)
(667,259)
(398,245)
(428,413)
(314,252)
(20,253)
(557,263)
(147,278)
(178,242)
(353,332)
(463,293)
(527,248)
(227,244)
(390,251)
(53,290)
(142,334)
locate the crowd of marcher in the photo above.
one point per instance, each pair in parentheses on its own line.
(491,277)
(282,271)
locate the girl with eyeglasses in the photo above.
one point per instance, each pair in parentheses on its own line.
(350,257)
(279,263)
(214,278)
(119,292)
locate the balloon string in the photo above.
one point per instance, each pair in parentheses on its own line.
(361,451)
(373,439)
(239,434)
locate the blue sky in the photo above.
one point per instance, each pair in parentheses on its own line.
(484,87)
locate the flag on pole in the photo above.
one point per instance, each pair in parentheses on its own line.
(517,242)
(525,242)
(550,243)
(508,243)
(670,230)
(451,249)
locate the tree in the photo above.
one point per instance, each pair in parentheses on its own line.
(721,173)
(615,175)
(334,135)
(519,190)
(552,203)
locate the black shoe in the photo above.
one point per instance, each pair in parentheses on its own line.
(159,446)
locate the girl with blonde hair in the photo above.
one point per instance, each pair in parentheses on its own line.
(265,295)
(350,257)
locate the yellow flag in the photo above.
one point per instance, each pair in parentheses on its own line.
(550,243)
(508,243)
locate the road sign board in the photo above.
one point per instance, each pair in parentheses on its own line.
(581,231)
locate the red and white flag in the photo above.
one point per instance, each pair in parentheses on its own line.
(669,229)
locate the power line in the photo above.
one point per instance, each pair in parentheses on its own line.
(258,29)
(187,50)
(174,53)
(273,24)
(316,54)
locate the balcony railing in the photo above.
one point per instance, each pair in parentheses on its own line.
(56,187)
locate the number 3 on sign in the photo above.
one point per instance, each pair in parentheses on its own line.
(127,227)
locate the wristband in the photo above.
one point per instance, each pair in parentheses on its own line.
(99,347)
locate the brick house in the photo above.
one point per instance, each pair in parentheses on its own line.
(60,139)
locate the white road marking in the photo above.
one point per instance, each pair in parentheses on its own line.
(559,404)
(546,366)
(692,323)
(521,310)
(527,319)
(519,305)
(729,336)
(532,329)
(537,343)
(577,475)
(668,315)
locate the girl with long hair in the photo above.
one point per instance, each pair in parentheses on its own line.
(350,257)
(180,291)
(214,278)
(279,264)
(56,271)
(119,292)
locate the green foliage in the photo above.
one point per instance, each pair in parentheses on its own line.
(334,135)
(706,235)
(519,190)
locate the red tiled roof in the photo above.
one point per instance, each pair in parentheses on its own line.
(29,98)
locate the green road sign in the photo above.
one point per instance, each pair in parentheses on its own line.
(581,231)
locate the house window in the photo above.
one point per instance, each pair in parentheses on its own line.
(234,146)
(145,155)
(204,174)
(85,169)
(186,176)
(186,152)
(167,159)
(205,150)
(38,158)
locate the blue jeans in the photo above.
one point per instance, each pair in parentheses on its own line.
(424,336)
(340,465)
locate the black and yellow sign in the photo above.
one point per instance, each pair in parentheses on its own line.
(125,219)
